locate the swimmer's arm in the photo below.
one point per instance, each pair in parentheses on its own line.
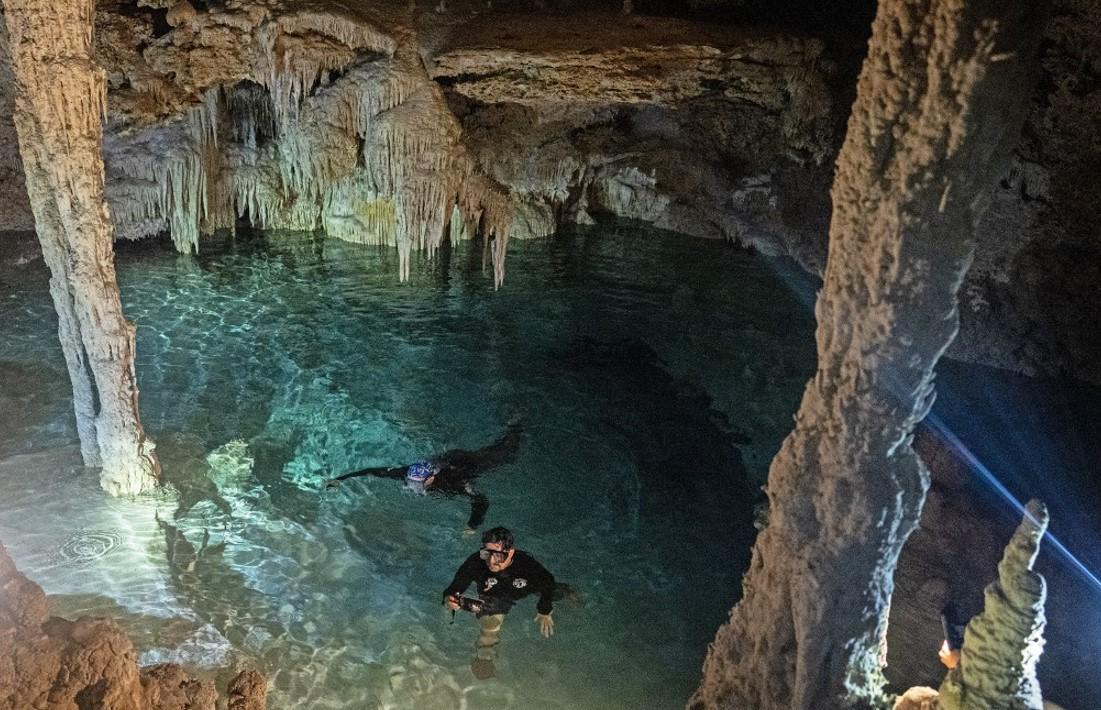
(479,504)
(543,582)
(380,472)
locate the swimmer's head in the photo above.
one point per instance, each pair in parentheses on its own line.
(420,474)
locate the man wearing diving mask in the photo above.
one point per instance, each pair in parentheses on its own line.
(504,575)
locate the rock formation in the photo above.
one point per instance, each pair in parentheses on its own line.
(938,108)
(49,663)
(645,119)
(1030,293)
(253,110)
(248,691)
(954,550)
(1002,646)
(997,667)
(289,116)
(60,101)
(15,210)
(325,117)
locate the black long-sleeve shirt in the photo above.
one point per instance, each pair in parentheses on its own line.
(501,590)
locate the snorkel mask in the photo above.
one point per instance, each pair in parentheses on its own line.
(417,475)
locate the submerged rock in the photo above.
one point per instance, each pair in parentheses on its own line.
(51,663)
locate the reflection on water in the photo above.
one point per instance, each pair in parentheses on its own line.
(645,369)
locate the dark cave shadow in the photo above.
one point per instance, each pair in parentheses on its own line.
(690,473)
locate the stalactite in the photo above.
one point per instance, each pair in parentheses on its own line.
(373,155)
(182,186)
(495,214)
(456,227)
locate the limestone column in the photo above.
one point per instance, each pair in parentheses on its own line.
(939,104)
(59,105)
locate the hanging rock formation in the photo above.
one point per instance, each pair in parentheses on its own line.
(292,117)
(49,663)
(646,118)
(60,102)
(321,116)
(937,110)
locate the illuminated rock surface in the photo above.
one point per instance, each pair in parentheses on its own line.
(929,132)
(1002,646)
(285,113)
(49,663)
(997,667)
(60,100)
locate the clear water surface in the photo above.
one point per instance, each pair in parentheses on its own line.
(649,372)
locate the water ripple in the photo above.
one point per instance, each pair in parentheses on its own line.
(87,546)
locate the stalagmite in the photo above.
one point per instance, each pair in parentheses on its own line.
(60,102)
(1002,646)
(940,100)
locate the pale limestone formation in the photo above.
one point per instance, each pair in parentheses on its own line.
(954,550)
(50,663)
(595,59)
(565,112)
(537,96)
(59,104)
(939,105)
(1001,646)
(324,116)
(292,116)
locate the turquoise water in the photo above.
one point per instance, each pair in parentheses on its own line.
(654,375)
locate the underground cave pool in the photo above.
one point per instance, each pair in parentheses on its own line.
(649,373)
(654,376)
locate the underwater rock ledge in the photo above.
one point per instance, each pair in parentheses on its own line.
(47,662)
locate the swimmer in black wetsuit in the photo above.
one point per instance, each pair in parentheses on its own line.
(452,473)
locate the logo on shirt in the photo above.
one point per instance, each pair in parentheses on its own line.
(519,582)
(490,583)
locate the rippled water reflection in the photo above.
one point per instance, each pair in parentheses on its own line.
(269,364)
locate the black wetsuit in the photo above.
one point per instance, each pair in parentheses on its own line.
(457,470)
(523,577)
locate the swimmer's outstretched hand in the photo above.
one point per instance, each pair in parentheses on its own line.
(546,625)
(332,483)
(468,531)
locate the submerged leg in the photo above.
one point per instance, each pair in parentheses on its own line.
(484,664)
